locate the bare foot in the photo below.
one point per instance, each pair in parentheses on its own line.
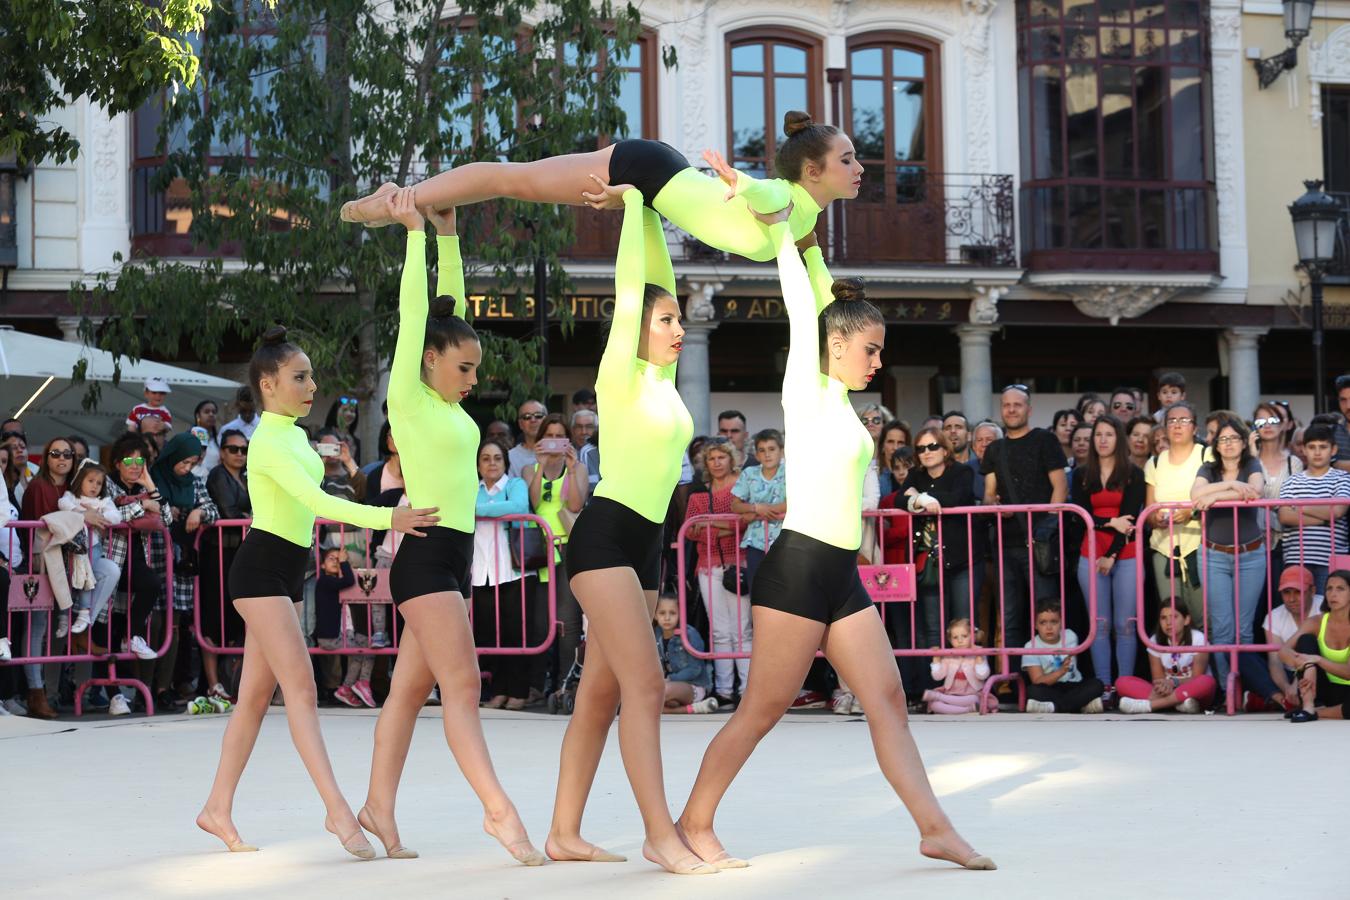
(369,210)
(387,832)
(223,828)
(950,846)
(509,831)
(355,843)
(575,849)
(708,848)
(677,858)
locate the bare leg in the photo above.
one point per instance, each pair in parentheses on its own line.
(408,691)
(441,629)
(858,649)
(583,743)
(241,733)
(781,655)
(557,179)
(619,612)
(274,629)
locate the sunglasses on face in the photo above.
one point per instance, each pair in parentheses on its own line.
(1269,420)
(130,461)
(927,448)
(234,448)
(1122,404)
(870,420)
(531,417)
(348,401)
(61,454)
(1181,421)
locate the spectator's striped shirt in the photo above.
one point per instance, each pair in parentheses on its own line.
(1311,545)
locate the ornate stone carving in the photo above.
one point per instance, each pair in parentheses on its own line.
(1328,63)
(984,304)
(691,40)
(1120,301)
(105,146)
(700,306)
(979,83)
(1225,29)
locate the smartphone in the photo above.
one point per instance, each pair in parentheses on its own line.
(552,445)
(329,449)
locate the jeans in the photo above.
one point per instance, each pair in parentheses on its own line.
(1250,570)
(1022,587)
(106,573)
(1115,615)
(955,603)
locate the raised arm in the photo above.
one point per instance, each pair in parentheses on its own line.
(450,272)
(821,279)
(656,252)
(405,373)
(630,279)
(803,361)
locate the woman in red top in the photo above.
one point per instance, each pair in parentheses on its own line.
(728,610)
(1111,489)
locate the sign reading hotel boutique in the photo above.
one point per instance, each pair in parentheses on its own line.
(729,309)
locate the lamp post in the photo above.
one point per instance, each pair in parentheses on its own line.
(1316,215)
(1297,24)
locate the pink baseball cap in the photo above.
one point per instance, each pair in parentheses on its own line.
(1296,577)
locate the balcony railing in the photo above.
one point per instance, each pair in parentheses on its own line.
(935,219)
(1339,271)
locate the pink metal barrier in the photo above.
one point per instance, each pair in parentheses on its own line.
(893,581)
(1164,516)
(366,605)
(34,604)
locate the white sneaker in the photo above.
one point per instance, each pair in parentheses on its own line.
(706,705)
(14,707)
(4,650)
(1094,707)
(856,709)
(843,704)
(1042,706)
(119,706)
(1132,706)
(1190,705)
(81,622)
(140,648)
(62,625)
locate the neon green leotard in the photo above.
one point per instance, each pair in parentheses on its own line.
(695,203)
(283,482)
(1337,656)
(651,427)
(830,448)
(437,441)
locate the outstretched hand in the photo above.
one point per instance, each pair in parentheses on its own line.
(400,206)
(442,220)
(718,163)
(606,195)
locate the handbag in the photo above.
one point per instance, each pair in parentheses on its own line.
(925,555)
(889,583)
(528,548)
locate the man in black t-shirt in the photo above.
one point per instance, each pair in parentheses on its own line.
(1026,466)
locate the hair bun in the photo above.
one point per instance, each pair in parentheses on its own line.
(442,307)
(849,290)
(274,336)
(795,121)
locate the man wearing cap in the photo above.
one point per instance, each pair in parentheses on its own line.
(156,391)
(1278,687)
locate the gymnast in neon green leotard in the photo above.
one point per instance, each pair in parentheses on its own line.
(435,365)
(268,573)
(816,164)
(807,593)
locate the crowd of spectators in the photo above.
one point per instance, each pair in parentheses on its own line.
(1005,579)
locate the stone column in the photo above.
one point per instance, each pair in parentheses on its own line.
(70,328)
(693,376)
(977,376)
(1244,369)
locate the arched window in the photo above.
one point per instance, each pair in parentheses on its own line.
(1117,135)
(770,71)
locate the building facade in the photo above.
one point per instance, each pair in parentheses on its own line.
(1069,194)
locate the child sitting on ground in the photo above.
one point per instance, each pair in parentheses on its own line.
(688,678)
(1179,678)
(961,677)
(1054,682)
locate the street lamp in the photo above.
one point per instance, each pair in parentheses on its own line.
(1316,218)
(1297,24)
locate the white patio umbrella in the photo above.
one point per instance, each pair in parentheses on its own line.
(35,385)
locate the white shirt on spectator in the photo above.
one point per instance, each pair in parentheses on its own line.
(1179,665)
(1052,661)
(1280,624)
(520,456)
(238,424)
(10,548)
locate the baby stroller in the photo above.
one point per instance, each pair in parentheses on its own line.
(564,699)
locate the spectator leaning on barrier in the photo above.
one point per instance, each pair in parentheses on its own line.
(246,413)
(1235,561)
(728,612)
(1176,532)
(495,577)
(529,419)
(1025,467)
(1054,682)
(1111,490)
(1320,654)
(1309,539)
(760,497)
(157,391)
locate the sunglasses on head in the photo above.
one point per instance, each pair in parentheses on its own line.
(61,454)
(1017,387)
(133,461)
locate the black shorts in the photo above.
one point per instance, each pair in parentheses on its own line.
(441,561)
(269,566)
(609,535)
(646,165)
(809,578)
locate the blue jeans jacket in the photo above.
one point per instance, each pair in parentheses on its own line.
(678,664)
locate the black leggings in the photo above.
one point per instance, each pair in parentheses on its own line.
(1329,693)
(146,588)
